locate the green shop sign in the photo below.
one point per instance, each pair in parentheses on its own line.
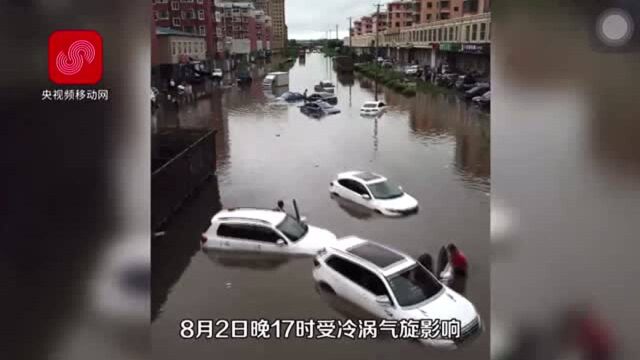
(450,47)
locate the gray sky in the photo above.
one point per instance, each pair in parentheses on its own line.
(311,19)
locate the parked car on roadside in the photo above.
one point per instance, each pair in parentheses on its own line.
(480,89)
(483,100)
(373,191)
(264,230)
(372,108)
(217,74)
(465,82)
(325,86)
(312,109)
(392,285)
(326,97)
(413,70)
(387,64)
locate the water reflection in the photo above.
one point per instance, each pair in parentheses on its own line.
(352,209)
(247,260)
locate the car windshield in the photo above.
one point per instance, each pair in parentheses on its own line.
(414,286)
(292,228)
(370,105)
(324,105)
(385,190)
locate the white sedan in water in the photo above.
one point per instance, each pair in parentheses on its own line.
(373,191)
(372,108)
(264,231)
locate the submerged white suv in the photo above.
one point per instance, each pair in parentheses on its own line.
(264,230)
(373,191)
(391,285)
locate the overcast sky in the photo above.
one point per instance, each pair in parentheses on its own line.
(311,19)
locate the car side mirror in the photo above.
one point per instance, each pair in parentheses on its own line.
(281,242)
(366,196)
(383,300)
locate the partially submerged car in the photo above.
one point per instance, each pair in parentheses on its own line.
(325,86)
(291,96)
(264,230)
(372,108)
(326,97)
(327,108)
(392,285)
(373,191)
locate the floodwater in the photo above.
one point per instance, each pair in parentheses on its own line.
(436,146)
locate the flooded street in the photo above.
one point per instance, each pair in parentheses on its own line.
(435,146)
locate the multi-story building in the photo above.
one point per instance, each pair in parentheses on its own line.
(367,24)
(434,10)
(175,46)
(263,29)
(379,22)
(275,9)
(192,16)
(357,28)
(239,27)
(400,15)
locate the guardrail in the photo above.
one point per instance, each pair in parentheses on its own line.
(176,180)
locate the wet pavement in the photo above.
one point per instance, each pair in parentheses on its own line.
(435,146)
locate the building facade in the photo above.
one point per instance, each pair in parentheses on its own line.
(379,22)
(175,47)
(276,11)
(461,39)
(400,15)
(191,16)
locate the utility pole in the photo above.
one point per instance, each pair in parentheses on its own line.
(337,32)
(377,29)
(350,30)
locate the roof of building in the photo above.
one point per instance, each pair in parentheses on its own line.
(165,31)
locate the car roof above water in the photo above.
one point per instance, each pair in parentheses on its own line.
(384,259)
(365,176)
(272,217)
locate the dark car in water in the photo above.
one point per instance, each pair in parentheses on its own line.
(291,96)
(328,98)
(480,89)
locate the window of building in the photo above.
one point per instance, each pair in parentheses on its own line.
(397,24)
(201,14)
(175,5)
(467,31)
(455,34)
(456,9)
(440,34)
(176,21)
(474,32)
(203,30)
(451,34)
(483,31)
(429,5)
(173,48)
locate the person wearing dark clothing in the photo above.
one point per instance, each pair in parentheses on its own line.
(427,261)
(305,95)
(280,206)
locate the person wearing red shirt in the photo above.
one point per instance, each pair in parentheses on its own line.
(457,260)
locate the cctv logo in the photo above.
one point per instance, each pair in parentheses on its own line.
(75,57)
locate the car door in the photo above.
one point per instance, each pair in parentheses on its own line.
(265,239)
(357,285)
(348,190)
(232,236)
(360,189)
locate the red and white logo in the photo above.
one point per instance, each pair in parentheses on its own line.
(75,57)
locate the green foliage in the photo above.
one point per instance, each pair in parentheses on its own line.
(396,80)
